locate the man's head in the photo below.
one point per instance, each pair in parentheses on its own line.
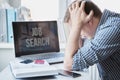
(92,24)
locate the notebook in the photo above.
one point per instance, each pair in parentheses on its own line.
(32,69)
(37,40)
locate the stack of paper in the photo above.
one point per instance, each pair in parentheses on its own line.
(33,69)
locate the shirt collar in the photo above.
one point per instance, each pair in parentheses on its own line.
(104,18)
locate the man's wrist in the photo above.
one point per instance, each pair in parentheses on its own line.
(77,26)
(68,54)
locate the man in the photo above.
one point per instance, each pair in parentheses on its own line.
(94,39)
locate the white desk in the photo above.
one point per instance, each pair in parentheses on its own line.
(7,75)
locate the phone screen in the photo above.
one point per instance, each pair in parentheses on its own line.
(69,73)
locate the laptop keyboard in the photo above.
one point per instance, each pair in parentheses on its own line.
(51,58)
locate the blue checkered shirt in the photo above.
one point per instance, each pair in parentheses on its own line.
(103,49)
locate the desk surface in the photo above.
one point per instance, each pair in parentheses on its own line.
(7,75)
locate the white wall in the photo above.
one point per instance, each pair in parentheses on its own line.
(42,9)
(107,4)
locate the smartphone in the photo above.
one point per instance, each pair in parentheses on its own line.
(27,61)
(69,73)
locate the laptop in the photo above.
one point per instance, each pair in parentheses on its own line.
(37,40)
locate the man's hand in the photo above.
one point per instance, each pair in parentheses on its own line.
(78,16)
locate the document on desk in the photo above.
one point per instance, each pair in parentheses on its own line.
(28,68)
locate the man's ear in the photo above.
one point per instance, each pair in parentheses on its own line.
(90,16)
(90,22)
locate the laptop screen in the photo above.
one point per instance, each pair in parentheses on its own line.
(33,37)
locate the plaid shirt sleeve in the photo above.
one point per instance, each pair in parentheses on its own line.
(103,45)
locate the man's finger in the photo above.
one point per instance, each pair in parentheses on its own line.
(78,4)
(82,5)
(70,9)
(73,5)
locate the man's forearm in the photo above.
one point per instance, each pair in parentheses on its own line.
(74,42)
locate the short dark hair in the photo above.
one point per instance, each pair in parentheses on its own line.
(89,5)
